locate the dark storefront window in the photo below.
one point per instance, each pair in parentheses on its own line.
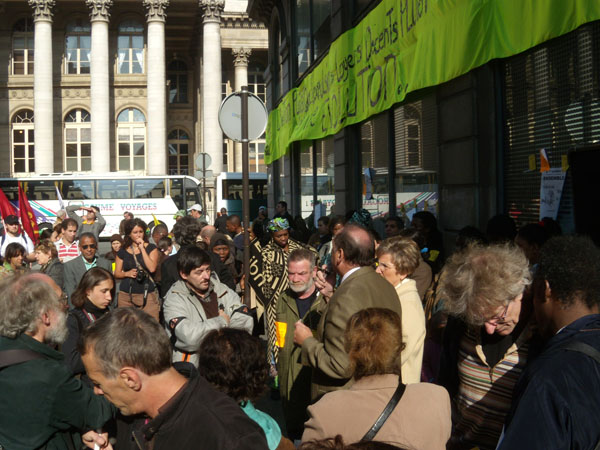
(551,102)
(316,163)
(313,31)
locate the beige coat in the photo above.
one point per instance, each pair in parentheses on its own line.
(413,331)
(421,420)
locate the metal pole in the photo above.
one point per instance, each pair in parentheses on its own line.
(204,209)
(246,194)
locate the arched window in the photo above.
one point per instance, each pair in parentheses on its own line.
(78,141)
(131,139)
(22,47)
(78,47)
(178,82)
(179,153)
(22,141)
(130,44)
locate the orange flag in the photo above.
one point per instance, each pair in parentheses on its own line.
(544,163)
(6,207)
(28,220)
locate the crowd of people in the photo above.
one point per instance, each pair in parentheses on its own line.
(365,334)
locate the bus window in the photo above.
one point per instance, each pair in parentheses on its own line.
(78,189)
(40,190)
(191,194)
(232,189)
(176,191)
(152,188)
(109,189)
(10,189)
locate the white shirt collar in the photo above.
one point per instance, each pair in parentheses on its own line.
(350,272)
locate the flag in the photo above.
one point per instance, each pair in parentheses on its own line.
(6,207)
(28,221)
(61,204)
(544,163)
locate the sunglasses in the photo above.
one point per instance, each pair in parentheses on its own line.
(85,247)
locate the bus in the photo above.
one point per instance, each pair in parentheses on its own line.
(229,192)
(144,196)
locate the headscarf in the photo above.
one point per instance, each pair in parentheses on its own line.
(361,217)
(278,224)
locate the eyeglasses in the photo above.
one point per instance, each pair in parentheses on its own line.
(499,318)
(85,247)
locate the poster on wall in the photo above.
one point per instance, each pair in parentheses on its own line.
(551,188)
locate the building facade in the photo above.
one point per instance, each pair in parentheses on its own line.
(463,139)
(123,86)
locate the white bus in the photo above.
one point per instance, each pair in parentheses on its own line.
(114,194)
(229,192)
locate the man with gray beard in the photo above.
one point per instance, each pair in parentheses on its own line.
(300,301)
(41,404)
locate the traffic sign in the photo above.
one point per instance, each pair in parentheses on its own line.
(203,161)
(230,117)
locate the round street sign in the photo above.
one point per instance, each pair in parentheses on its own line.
(203,161)
(230,116)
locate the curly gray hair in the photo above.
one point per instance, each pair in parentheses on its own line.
(24,298)
(479,280)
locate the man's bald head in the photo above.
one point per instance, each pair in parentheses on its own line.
(357,244)
(207,233)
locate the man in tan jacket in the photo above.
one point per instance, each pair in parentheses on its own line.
(360,287)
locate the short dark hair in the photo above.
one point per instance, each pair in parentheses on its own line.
(282,203)
(161,227)
(68,223)
(324,220)
(335,220)
(355,252)
(571,266)
(501,228)
(95,208)
(128,227)
(234,219)
(164,242)
(127,337)
(87,234)
(533,234)
(234,362)
(337,443)
(186,231)
(190,258)
(90,280)
(398,220)
(13,250)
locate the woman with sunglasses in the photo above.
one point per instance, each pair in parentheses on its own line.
(135,263)
(488,339)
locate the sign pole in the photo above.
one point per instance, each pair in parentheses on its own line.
(246,194)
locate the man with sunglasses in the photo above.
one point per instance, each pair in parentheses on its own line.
(76,268)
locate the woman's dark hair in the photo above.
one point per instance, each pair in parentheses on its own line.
(13,250)
(90,280)
(234,362)
(128,228)
(335,220)
(186,231)
(116,237)
(533,234)
(428,219)
(46,233)
(337,443)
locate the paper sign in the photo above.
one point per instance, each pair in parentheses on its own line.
(280,331)
(564,162)
(532,165)
(551,189)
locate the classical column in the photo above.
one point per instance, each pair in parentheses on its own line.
(156,154)
(42,86)
(240,63)
(211,82)
(99,14)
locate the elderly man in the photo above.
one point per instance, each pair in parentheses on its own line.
(300,301)
(361,287)
(198,304)
(41,404)
(76,268)
(556,400)
(92,222)
(128,357)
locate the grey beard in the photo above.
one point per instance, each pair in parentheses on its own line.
(58,333)
(301,288)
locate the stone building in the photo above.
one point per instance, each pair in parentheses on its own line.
(123,85)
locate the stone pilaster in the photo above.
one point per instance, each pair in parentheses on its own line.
(43,86)
(241,57)
(99,76)
(156,155)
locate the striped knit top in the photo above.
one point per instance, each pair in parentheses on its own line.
(485,393)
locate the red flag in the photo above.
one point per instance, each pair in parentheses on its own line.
(28,220)
(6,207)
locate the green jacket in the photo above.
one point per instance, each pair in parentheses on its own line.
(42,404)
(294,377)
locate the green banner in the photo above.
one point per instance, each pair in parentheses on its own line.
(405,45)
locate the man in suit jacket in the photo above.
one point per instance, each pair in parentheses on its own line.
(76,268)
(361,287)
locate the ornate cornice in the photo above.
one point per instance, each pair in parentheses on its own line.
(99,9)
(156,10)
(241,56)
(42,9)
(212,10)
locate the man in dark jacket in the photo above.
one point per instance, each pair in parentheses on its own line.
(128,357)
(186,232)
(557,398)
(41,404)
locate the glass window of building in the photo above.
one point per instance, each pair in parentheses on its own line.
(178,82)
(256,84)
(78,47)
(374,152)
(131,140)
(316,175)
(312,32)
(78,141)
(277,63)
(179,152)
(23,142)
(22,47)
(256,155)
(130,52)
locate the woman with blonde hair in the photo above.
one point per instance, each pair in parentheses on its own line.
(398,258)
(46,256)
(420,416)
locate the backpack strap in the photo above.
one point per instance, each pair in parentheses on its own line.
(582,347)
(386,412)
(17,356)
